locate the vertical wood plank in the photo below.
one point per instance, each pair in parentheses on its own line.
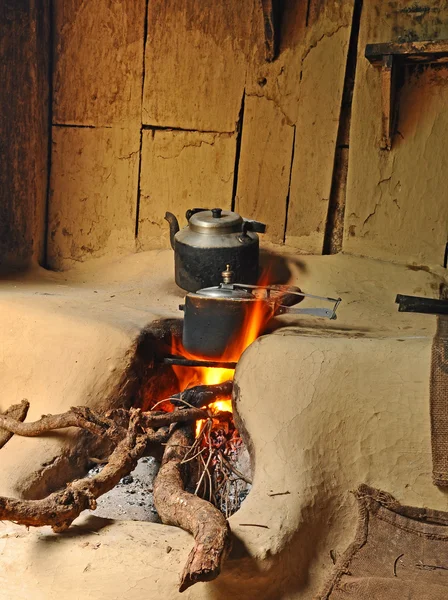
(195,64)
(98,61)
(24,116)
(265,165)
(92,209)
(322,79)
(387,99)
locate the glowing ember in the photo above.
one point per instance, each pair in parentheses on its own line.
(216,407)
(220,406)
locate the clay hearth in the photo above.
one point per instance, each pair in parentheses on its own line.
(113,114)
(78,340)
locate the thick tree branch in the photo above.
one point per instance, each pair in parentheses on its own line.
(175,506)
(81,416)
(132,434)
(86,418)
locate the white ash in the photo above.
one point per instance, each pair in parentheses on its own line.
(132,499)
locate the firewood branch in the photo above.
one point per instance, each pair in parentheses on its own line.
(175,506)
(202,395)
(61,508)
(131,434)
(81,416)
(17,412)
(86,418)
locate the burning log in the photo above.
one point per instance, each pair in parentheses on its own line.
(180,361)
(177,507)
(202,395)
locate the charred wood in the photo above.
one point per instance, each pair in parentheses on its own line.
(202,395)
(180,361)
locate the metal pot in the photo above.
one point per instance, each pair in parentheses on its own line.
(213,316)
(211,239)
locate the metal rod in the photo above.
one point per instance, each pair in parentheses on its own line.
(430,306)
(286,290)
(180,361)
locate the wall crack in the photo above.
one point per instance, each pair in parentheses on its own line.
(322,37)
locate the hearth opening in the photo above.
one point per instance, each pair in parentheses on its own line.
(190,370)
(220,469)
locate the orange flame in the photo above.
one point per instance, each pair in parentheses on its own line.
(214,408)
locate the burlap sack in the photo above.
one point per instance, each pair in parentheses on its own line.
(399,553)
(439,403)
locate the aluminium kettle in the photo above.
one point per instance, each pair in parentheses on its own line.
(211,239)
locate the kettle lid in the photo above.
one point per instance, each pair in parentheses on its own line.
(216,221)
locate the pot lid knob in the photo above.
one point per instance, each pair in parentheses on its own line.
(216,213)
(227,275)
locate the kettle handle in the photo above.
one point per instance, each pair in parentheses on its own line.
(255,226)
(192,211)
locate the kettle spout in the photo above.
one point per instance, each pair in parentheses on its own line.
(174,226)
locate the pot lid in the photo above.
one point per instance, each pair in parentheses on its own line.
(216,221)
(224,290)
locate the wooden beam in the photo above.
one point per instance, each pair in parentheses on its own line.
(431,51)
(387,101)
(388,56)
(272,20)
(269,29)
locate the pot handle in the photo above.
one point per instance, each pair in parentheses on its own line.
(192,211)
(328,313)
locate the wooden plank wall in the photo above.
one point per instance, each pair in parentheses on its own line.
(97,91)
(208,120)
(195,69)
(397,200)
(169,104)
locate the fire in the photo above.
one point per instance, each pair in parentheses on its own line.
(219,406)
